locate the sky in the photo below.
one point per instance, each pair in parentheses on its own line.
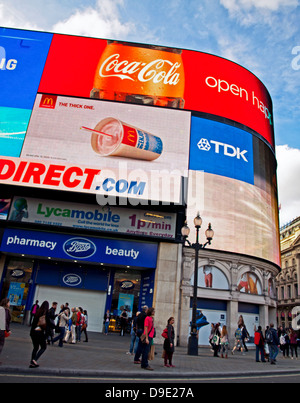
(261,35)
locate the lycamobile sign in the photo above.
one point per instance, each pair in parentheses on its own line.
(127,221)
(96,215)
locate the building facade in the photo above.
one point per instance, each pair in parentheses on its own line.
(287,281)
(109,149)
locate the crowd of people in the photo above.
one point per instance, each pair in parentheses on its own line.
(49,326)
(142,335)
(68,324)
(267,343)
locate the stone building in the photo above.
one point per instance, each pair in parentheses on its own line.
(287,281)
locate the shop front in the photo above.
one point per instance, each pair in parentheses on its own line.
(93,273)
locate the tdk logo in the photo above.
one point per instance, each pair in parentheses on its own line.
(5,64)
(219,148)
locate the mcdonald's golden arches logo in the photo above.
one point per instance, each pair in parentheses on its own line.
(48,101)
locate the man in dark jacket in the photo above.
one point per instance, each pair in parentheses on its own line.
(139,331)
(273,342)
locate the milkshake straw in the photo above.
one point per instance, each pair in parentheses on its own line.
(95,131)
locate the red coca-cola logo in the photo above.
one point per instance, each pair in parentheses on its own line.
(158,71)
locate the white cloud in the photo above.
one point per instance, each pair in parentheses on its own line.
(258,12)
(288,174)
(101,21)
(273,5)
(10,17)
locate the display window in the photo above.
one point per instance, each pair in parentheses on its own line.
(16,284)
(125,296)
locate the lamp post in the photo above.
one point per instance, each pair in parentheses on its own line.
(185,231)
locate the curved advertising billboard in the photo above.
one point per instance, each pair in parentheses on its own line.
(130,120)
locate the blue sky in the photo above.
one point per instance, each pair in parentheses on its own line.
(261,35)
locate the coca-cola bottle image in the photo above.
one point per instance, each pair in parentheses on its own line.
(141,74)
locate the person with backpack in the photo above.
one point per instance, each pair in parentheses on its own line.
(238,340)
(259,343)
(273,342)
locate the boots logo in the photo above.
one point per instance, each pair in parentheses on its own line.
(72,280)
(79,248)
(159,70)
(222,148)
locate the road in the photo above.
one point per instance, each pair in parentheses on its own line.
(35,378)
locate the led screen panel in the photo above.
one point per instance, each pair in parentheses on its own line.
(106,148)
(243,216)
(221,149)
(150,75)
(232,183)
(22,58)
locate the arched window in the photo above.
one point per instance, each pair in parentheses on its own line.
(211,277)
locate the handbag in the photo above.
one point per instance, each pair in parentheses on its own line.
(143,336)
(42,322)
(6,334)
(165,333)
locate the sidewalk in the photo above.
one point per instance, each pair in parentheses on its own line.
(105,357)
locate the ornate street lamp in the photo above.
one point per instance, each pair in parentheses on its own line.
(209,233)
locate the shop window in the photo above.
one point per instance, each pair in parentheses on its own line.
(16,286)
(126,295)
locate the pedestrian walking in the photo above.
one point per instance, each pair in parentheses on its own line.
(78,324)
(71,332)
(273,342)
(259,343)
(38,333)
(106,322)
(238,340)
(63,321)
(211,336)
(123,322)
(224,342)
(139,331)
(169,345)
(51,325)
(33,311)
(216,340)
(147,338)
(284,342)
(293,344)
(5,319)
(133,335)
(84,326)
(245,337)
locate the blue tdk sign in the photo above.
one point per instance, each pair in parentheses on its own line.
(220,149)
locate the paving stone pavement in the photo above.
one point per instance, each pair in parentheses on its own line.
(105,357)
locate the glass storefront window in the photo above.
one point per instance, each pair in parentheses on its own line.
(126,294)
(16,286)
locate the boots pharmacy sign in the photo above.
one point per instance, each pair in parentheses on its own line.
(87,249)
(98,218)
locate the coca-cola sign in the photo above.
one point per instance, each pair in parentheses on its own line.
(157,71)
(164,77)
